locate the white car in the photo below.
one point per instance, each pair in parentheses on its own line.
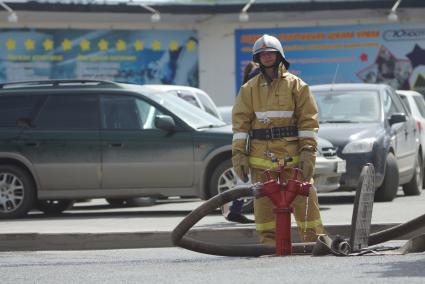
(415,102)
(195,96)
(329,167)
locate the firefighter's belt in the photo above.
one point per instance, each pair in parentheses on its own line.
(273,133)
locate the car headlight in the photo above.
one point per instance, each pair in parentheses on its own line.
(359,146)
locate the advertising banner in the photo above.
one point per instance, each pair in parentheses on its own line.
(151,56)
(392,54)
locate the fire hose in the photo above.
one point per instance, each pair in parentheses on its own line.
(179,238)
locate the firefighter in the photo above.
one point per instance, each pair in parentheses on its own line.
(275,119)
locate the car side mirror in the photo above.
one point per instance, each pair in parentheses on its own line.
(165,122)
(397,118)
(23,122)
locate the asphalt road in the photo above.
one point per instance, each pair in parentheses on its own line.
(173,265)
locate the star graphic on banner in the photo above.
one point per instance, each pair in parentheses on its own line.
(29,44)
(138,45)
(387,68)
(190,45)
(66,44)
(416,56)
(364,57)
(419,82)
(48,44)
(173,46)
(103,44)
(10,44)
(156,45)
(120,45)
(85,45)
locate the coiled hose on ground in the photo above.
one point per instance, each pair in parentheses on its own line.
(179,239)
(209,206)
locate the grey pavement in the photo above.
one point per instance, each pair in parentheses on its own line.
(96,225)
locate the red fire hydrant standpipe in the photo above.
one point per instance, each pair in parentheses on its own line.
(282,194)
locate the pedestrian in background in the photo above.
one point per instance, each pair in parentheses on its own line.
(233,211)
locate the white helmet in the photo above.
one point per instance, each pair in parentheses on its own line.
(268,43)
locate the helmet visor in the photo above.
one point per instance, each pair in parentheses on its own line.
(266,49)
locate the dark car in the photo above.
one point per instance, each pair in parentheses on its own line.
(67,140)
(369,124)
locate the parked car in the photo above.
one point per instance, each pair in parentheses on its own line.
(415,102)
(225,113)
(195,96)
(77,139)
(368,123)
(329,167)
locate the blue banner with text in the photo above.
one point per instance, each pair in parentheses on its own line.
(388,53)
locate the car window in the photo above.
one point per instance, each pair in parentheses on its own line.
(208,105)
(119,112)
(193,116)
(398,104)
(389,106)
(348,106)
(68,112)
(420,103)
(406,103)
(127,112)
(16,106)
(147,113)
(187,96)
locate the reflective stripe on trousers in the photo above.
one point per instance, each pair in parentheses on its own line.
(266,163)
(309,225)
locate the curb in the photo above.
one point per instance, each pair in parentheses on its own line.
(152,239)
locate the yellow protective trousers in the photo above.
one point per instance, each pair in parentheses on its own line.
(309,222)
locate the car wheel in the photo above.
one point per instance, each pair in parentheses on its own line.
(388,190)
(17,192)
(225,178)
(54,206)
(414,186)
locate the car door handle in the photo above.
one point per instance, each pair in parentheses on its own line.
(31,144)
(118,144)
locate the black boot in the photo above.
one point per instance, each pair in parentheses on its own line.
(239,218)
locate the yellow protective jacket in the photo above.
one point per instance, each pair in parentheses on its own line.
(287,101)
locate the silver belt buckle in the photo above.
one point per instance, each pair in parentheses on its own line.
(272,134)
(264,120)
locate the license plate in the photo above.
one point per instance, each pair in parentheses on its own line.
(341,167)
